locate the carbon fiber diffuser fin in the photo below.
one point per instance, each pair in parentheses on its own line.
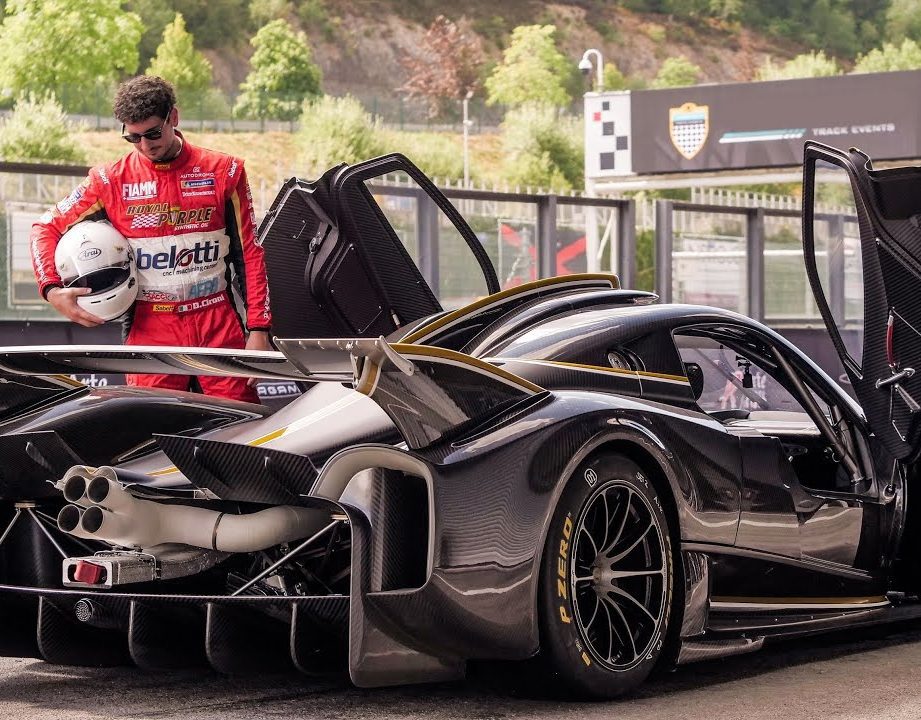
(240,473)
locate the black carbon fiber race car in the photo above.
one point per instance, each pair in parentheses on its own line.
(563,470)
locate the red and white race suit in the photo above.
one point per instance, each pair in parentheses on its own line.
(188,221)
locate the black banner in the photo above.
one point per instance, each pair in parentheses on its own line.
(764,124)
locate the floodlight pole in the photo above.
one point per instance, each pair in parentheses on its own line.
(467,123)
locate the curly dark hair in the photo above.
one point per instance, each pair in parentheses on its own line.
(142,97)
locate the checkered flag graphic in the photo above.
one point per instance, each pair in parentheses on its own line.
(149,220)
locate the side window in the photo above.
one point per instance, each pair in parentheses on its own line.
(723,379)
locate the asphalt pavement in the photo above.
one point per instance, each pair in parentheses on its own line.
(867,674)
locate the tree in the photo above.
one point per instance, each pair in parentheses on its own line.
(283,74)
(45,44)
(180,63)
(265,11)
(614,79)
(38,131)
(155,16)
(889,57)
(814,64)
(903,20)
(336,130)
(532,70)
(215,23)
(542,147)
(446,68)
(676,72)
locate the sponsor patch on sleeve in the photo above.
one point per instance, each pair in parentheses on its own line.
(197,184)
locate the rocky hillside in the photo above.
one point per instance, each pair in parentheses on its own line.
(359,44)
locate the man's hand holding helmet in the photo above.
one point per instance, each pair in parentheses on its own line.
(97,268)
(64,300)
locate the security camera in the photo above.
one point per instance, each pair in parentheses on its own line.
(585,65)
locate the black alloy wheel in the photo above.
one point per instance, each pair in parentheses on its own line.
(607,585)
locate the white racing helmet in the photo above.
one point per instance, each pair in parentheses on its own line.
(97,256)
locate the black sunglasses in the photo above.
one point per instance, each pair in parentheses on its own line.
(152,134)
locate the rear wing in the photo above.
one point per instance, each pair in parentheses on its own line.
(428,392)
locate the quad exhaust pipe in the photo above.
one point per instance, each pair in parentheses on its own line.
(102,509)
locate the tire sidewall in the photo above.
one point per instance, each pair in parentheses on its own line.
(562,644)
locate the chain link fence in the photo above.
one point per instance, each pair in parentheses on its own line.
(213,111)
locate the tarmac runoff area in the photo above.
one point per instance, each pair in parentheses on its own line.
(871,673)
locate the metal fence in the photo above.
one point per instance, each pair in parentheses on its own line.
(743,258)
(750,259)
(213,111)
(527,235)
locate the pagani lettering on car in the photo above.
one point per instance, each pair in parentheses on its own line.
(563,471)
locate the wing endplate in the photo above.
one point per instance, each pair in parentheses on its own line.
(428,392)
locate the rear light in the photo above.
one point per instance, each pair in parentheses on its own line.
(89,573)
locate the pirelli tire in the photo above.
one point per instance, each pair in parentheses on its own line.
(607,591)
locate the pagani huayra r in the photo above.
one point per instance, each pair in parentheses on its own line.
(563,470)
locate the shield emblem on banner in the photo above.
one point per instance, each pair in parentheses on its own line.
(688,127)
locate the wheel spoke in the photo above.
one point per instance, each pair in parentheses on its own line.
(594,613)
(583,578)
(614,590)
(591,540)
(618,574)
(610,631)
(607,519)
(621,555)
(623,522)
(625,626)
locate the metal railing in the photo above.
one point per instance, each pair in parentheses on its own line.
(607,226)
(751,246)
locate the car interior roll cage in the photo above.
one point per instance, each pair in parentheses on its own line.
(840,429)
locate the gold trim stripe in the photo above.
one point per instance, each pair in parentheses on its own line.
(799,600)
(164,471)
(268,437)
(636,374)
(427,351)
(501,296)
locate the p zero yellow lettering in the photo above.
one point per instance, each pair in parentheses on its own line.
(562,565)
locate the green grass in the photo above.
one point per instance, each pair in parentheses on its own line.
(272,157)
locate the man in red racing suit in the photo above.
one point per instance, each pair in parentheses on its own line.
(187,214)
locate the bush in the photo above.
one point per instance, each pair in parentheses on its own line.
(438,155)
(889,57)
(335,130)
(38,130)
(808,65)
(543,148)
(676,72)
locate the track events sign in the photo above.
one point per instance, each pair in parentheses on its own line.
(750,125)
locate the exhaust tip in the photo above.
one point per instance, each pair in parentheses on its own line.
(74,488)
(69,518)
(106,472)
(97,490)
(92,519)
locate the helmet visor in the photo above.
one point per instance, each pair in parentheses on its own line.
(102,280)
